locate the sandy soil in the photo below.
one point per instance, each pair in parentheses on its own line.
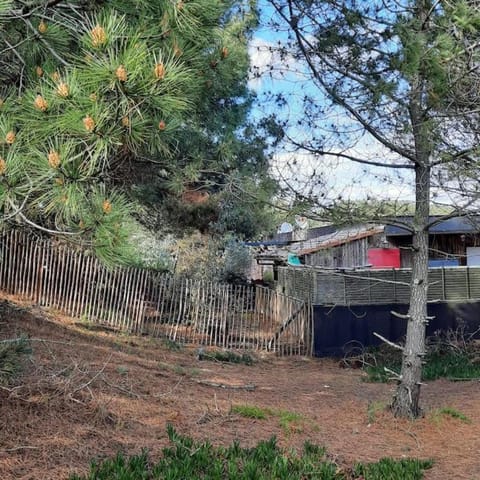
(87,394)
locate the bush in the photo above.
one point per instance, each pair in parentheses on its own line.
(446,358)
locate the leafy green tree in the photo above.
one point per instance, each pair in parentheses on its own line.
(392,73)
(97,94)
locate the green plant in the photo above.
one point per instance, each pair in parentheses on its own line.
(289,421)
(268,277)
(12,352)
(188,459)
(373,408)
(226,356)
(178,369)
(451,365)
(172,345)
(390,469)
(251,411)
(119,467)
(450,412)
(454,361)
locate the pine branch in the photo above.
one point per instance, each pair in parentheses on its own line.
(47,45)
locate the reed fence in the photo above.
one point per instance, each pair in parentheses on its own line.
(377,287)
(146,302)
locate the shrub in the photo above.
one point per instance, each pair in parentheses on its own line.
(445,358)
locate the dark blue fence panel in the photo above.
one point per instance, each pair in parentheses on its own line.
(337,329)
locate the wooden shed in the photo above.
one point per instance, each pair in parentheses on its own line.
(347,248)
(452,241)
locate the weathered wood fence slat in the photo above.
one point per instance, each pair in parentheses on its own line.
(147,302)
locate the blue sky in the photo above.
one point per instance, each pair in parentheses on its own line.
(283,75)
(288,77)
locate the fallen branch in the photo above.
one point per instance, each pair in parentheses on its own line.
(463,379)
(21,447)
(248,387)
(396,376)
(400,315)
(388,342)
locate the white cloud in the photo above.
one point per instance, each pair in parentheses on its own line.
(329,177)
(268,61)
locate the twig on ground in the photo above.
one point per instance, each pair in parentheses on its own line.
(165,394)
(21,447)
(87,384)
(411,434)
(248,387)
(124,390)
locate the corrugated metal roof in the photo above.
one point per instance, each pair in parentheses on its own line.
(340,237)
(470,224)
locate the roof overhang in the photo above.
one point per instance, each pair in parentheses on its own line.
(338,238)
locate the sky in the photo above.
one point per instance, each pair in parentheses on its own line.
(272,74)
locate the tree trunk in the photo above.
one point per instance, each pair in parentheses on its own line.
(406,402)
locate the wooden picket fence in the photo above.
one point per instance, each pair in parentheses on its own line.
(146,302)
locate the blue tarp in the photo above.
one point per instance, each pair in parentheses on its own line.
(444,263)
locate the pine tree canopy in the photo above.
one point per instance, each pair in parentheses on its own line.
(90,88)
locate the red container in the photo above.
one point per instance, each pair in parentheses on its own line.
(384,257)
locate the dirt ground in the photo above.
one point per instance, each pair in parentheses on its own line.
(87,394)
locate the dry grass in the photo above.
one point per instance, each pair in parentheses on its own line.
(85,395)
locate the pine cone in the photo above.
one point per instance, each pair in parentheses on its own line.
(40,103)
(3,166)
(162,125)
(98,36)
(39,71)
(42,27)
(177,51)
(54,159)
(10,137)
(89,123)
(121,73)
(63,90)
(107,207)
(159,71)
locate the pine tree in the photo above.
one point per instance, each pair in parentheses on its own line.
(91,87)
